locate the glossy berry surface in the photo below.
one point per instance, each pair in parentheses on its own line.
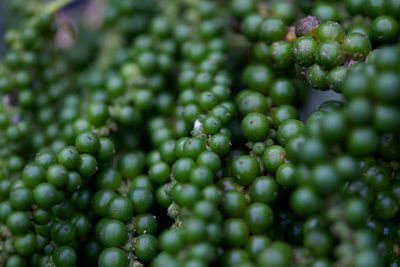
(199,133)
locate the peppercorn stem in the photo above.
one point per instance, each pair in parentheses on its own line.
(53,7)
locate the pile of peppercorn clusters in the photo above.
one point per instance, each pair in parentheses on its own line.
(169,136)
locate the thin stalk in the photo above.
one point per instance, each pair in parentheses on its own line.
(53,7)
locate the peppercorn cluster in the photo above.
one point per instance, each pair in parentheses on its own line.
(170,135)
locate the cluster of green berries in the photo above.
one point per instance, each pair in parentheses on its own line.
(129,17)
(321,46)
(174,135)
